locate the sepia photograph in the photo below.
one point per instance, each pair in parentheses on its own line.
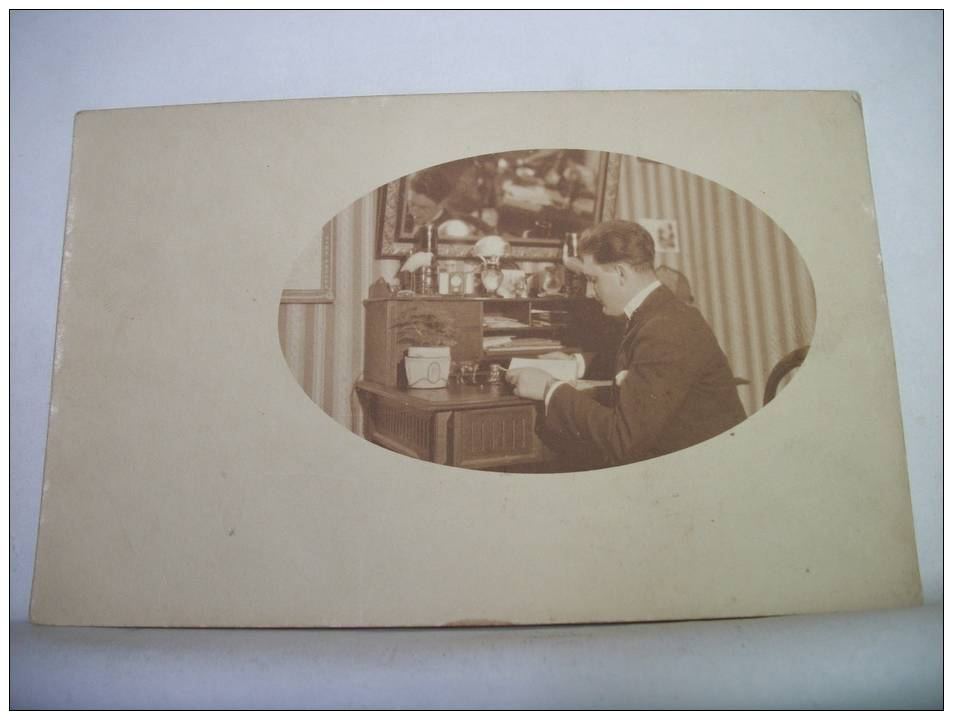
(500,359)
(559,347)
(547,310)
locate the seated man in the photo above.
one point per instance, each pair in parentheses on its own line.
(674,387)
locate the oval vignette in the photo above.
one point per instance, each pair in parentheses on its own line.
(416,360)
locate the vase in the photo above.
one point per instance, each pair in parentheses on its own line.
(427,367)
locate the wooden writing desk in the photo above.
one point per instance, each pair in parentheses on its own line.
(472,426)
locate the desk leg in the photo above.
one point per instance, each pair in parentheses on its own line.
(441,437)
(366,401)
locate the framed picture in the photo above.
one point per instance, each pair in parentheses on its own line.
(312,278)
(664,233)
(531,198)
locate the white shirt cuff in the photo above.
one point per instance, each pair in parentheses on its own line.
(580,364)
(549,393)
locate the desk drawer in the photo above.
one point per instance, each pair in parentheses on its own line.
(495,436)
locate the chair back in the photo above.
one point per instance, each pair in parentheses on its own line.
(788,363)
(677,282)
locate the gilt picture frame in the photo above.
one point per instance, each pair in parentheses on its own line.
(395,228)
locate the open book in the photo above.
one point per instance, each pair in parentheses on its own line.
(570,371)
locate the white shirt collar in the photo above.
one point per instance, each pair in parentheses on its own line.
(639,298)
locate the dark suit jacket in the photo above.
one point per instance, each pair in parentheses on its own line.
(678,391)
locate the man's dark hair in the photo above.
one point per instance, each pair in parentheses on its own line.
(432,183)
(620,241)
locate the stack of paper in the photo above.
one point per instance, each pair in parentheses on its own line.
(542,345)
(503,322)
(496,341)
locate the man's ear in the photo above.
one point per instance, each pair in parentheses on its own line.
(621,273)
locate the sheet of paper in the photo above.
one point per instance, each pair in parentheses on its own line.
(560,369)
(591,384)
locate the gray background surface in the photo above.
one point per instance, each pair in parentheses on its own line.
(62,63)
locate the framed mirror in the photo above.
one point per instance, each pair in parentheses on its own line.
(532,198)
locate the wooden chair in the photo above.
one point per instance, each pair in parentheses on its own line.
(677,282)
(788,363)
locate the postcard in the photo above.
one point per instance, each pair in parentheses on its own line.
(476,359)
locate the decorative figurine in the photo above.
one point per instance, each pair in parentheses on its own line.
(490,250)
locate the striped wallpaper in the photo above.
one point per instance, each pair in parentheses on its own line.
(747,279)
(324,343)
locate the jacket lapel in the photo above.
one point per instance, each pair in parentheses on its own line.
(658,298)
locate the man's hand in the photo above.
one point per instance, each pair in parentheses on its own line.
(529,382)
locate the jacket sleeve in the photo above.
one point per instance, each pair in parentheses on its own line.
(664,362)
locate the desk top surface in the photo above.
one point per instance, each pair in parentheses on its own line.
(555,298)
(453,397)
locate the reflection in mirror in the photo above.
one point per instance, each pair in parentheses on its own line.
(532,198)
